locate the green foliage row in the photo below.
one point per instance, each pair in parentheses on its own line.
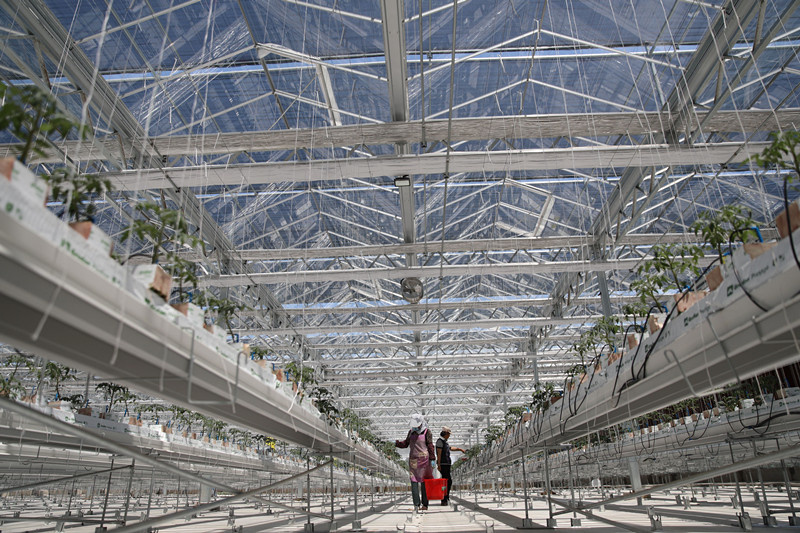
(593,341)
(33,116)
(49,372)
(783,152)
(542,397)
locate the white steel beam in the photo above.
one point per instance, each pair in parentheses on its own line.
(463,129)
(426,164)
(316,276)
(394,49)
(434,326)
(459,246)
(435,305)
(401,396)
(462,408)
(473,360)
(436,342)
(369,377)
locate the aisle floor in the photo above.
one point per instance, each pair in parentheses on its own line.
(710,514)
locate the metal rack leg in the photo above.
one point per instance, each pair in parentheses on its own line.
(792,519)
(551,522)
(372,491)
(574,521)
(150,494)
(526,522)
(744,518)
(105,500)
(309,526)
(332,487)
(91,498)
(356,521)
(128,493)
(69,503)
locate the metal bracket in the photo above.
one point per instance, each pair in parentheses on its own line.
(655,519)
(745,522)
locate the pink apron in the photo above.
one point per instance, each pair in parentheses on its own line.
(418,461)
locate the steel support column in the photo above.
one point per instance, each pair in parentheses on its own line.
(108,491)
(128,492)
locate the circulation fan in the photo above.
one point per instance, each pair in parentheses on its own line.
(412,289)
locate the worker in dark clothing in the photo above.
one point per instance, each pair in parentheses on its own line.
(443,461)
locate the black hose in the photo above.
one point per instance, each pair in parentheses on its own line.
(789,219)
(736,272)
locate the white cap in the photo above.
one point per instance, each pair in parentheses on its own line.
(416,420)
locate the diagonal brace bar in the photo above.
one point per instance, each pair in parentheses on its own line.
(702,476)
(147,524)
(588,514)
(60,479)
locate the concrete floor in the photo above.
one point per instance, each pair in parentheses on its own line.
(711,513)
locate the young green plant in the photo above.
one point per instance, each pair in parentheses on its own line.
(10,384)
(169,233)
(720,227)
(33,116)
(672,266)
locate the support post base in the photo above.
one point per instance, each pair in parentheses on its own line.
(527,523)
(552,523)
(308,527)
(745,522)
(575,522)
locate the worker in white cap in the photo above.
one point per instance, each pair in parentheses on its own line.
(420,458)
(443,461)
